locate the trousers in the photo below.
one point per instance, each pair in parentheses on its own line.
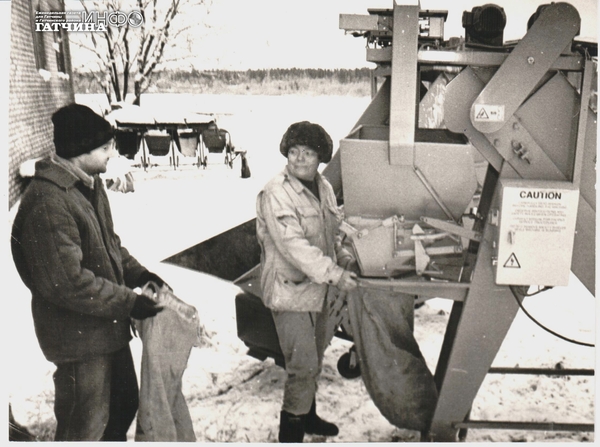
(95,399)
(302,338)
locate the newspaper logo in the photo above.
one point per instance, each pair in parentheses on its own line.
(82,21)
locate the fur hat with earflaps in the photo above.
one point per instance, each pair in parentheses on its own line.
(308,134)
(79,130)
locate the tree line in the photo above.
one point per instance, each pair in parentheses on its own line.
(180,80)
(123,62)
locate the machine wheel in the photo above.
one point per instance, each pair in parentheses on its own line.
(348,366)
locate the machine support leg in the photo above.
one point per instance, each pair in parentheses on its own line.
(487,314)
(451,328)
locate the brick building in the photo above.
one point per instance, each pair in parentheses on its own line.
(40,81)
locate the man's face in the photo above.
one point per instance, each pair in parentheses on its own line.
(96,161)
(303,162)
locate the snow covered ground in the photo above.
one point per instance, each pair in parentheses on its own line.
(233,397)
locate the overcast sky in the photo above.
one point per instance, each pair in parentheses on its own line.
(251,34)
(305,33)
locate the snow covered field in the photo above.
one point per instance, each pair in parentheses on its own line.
(233,397)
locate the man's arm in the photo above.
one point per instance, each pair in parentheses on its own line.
(51,246)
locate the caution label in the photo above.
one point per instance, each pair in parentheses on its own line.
(536,232)
(489,113)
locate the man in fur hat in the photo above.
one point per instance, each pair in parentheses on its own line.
(81,280)
(301,253)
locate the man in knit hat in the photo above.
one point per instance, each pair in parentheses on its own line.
(81,280)
(297,223)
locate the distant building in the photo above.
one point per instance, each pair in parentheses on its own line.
(40,81)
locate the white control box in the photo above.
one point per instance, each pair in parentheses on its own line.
(536,232)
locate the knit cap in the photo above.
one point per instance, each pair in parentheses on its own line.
(79,130)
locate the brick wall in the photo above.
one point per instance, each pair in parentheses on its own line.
(33,94)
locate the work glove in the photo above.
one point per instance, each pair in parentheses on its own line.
(144,307)
(150,276)
(352,266)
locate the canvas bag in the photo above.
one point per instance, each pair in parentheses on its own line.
(167,340)
(391,364)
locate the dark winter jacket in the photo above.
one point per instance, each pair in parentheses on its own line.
(67,253)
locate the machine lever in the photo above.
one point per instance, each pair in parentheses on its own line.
(452,228)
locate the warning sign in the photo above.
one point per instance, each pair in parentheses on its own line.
(512,262)
(489,113)
(482,115)
(536,232)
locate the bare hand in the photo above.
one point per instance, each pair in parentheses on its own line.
(347,281)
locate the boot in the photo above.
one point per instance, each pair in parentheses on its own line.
(314,425)
(291,427)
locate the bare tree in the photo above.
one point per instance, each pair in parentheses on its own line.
(133,52)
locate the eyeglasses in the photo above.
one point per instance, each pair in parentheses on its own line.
(308,153)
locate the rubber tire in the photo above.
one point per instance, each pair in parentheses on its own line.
(343,367)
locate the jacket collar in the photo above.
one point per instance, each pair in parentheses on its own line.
(296,184)
(62,172)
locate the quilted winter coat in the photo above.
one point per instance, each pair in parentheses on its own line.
(300,243)
(68,255)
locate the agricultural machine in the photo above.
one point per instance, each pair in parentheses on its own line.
(473,154)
